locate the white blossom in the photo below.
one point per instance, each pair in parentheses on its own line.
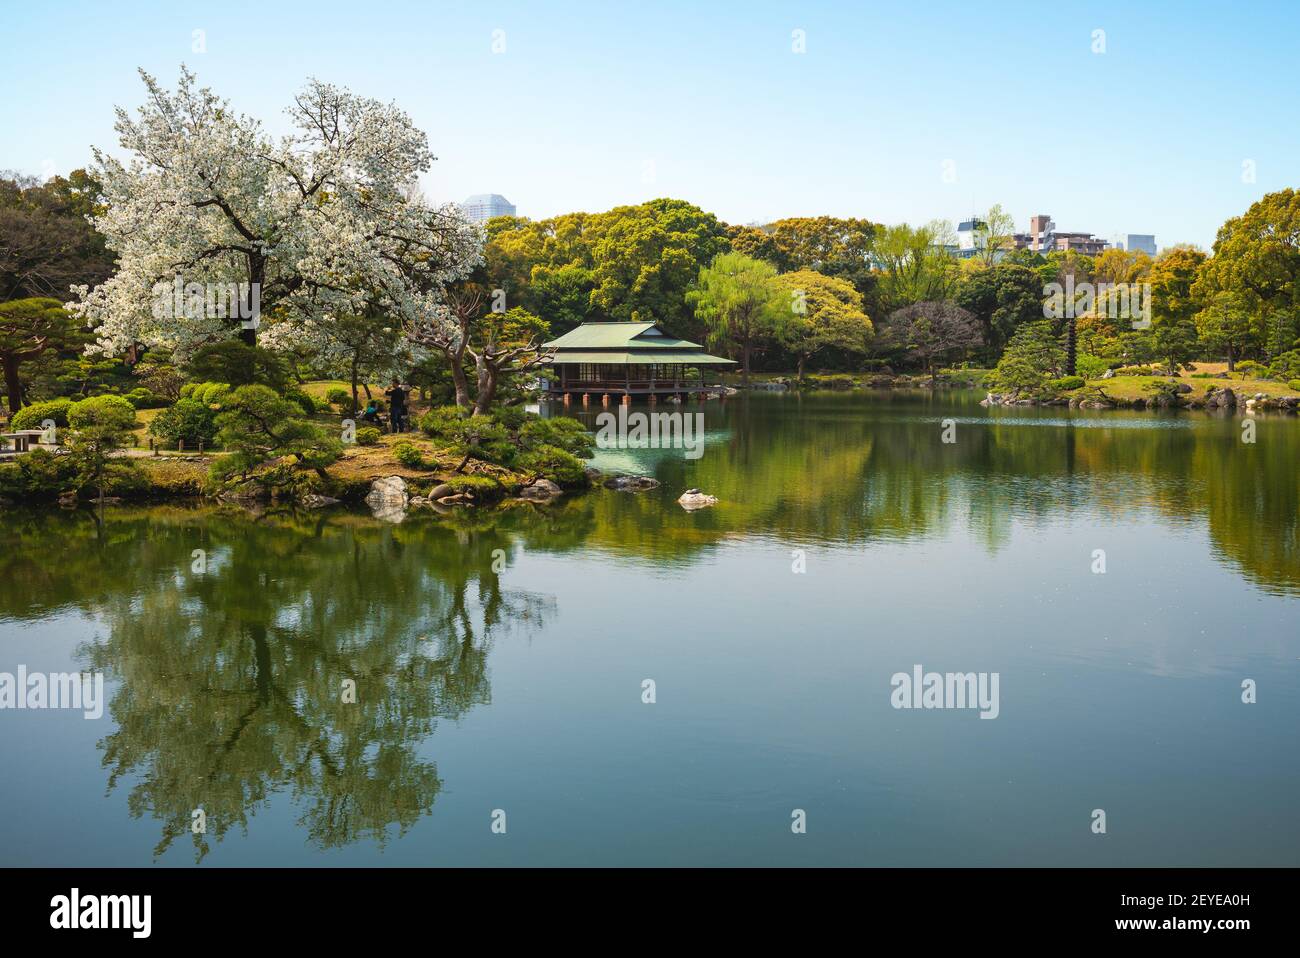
(326,220)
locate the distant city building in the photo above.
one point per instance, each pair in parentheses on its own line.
(481,207)
(1044,237)
(970,237)
(1141,241)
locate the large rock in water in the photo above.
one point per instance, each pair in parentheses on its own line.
(1224,397)
(631,483)
(543,490)
(693,499)
(388,498)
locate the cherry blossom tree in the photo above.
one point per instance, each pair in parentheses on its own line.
(324,222)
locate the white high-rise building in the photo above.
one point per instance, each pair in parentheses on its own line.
(481,207)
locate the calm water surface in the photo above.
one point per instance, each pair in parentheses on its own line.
(522,691)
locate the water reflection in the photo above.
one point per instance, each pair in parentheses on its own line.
(228,684)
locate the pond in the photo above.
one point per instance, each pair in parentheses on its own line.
(613,680)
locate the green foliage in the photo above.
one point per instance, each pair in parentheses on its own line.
(825,314)
(30,328)
(1003,298)
(480,487)
(31,417)
(142,398)
(739,303)
(554,463)
(630,263)
(256,426)
(338,396)
(368,436)
(99,428)
(209,393)
(38,475)
(1294,384)
(1065,384)
(301,400)
(560,432)
(410,456)
(1248,367)
(102,412)
(237,363)
(1089,366)
(550,448)
(1285,365)
(189,420)
(1032,358)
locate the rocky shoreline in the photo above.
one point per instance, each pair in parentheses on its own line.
(1179,396)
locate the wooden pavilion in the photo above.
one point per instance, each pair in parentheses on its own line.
(626,360)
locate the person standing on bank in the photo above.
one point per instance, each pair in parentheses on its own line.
(396,407)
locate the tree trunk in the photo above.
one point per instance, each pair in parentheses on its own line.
(458,378)
(354,385)
(1071,347)
(13,385)
(487,386)
(1232,359)
(801,362)
(744,364)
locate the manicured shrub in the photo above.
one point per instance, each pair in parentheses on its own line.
(368,436)
(1089,366)
(188,420)
(255,426)
(1248,367)
(1137,371)
(1065,383)
(212,393)
(554,463)
(142,398)
(108,411)
(338,396)
(1286,366)
(480,487)
(409,456)
(1294,384)
(31,417)
(37,475)
(302,400)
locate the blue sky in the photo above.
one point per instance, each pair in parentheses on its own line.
(592,105)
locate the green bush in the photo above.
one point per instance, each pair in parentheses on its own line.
(1294,384)
(338,396)
(1065,383)
(256,426)
(142,398)
(31,417)
(213,393)
(481,487)
(1286,366)
(409,456)
(208,393)
(302,400)
(107,411)
(368,436)
(188,420)
(551,462)
(1089,366)
(1137,371)
(1247,366)
(37,475)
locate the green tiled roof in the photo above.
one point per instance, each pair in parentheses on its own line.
(619,336)
(623,357)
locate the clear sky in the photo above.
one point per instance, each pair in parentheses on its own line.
(591,105)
